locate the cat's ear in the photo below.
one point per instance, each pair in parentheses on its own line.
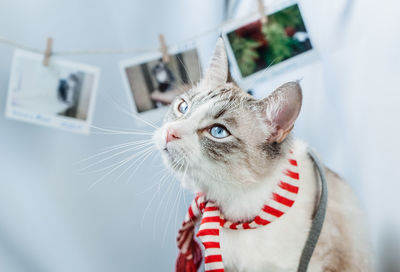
(281,109)
(218,71)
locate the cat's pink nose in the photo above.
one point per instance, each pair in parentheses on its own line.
(172,135)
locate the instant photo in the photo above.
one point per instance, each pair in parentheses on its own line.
(255,47)
(153,83)
(60,95)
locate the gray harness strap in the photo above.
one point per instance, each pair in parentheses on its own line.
(319,217)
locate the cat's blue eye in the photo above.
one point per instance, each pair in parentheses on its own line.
(219,132)
(183,107)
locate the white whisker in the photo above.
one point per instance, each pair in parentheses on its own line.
(115,147)
(186,70)
(262,73)
(130,114)
(169,188)
(144,155)
(163,178)
(177,204)
(161,173)
(115,168)
(174,204)
(120,132)
(116,154)
(112,165)
(183,180)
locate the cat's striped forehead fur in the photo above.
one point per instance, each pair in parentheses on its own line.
(226,105)
(257,128)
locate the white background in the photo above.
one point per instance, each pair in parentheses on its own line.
(50,221)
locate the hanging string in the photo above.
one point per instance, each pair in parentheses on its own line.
(19,45)
(15,44)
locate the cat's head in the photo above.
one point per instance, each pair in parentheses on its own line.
(217,133)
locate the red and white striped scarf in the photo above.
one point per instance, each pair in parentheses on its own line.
(276,205)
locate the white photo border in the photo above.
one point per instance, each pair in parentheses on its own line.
(274,70)
(153,114)
(62,122)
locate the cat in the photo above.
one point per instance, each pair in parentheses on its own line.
(232,148)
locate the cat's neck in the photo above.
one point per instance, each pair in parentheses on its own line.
(243,203)
(239,203)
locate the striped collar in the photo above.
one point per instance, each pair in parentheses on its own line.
(280,201)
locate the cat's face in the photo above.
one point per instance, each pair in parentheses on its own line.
(216,132)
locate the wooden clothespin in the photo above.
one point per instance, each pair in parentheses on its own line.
(48,51)
(261,10)
(164,49)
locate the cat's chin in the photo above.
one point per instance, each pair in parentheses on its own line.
(172,161)
(182,172)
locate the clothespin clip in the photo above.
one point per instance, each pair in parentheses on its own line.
(261,10)
(48,51)
(164,49)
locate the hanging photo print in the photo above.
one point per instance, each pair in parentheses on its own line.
(153,83)
(281,42)
(60,95)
